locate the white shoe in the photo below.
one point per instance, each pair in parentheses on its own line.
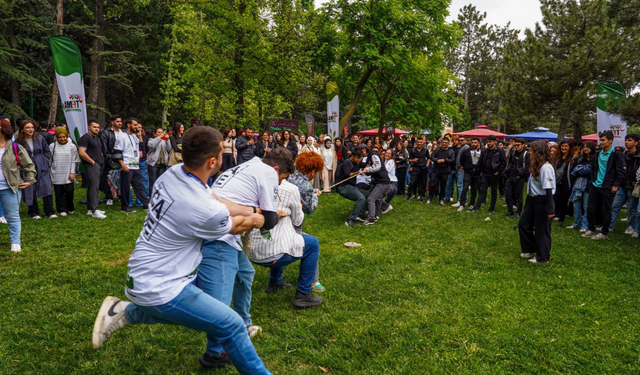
(635,235)
(460,209)
(456,205)
(63,214)
(582,230)
(629,230)
(54,216)
(71,212)
(599,229)
(533,260)
(109,202)
(89,213)
(110,319)
(99,215)
(388,209)
(16,248)
(428,201)
(36,217)
(3,220)
(624,219)
(556,218)
(600,236)
(527,255)
(571,227)
(253,331)
(588,234)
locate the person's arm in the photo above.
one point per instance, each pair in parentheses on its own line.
(551,208)
(28,167)
(84,156)
(502,160)
(241,144)
(153,143)
(241,224)
(238,209)
(297,214)
(451,159)
(118,154)
(375,166)
(620,166)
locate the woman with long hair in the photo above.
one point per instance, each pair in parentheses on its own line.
(277,139)
(14,163)
(402,164)
(564,160)
(310,147)
(581,172)
(302,140)
(539,209)
(289,143)
(229,149)
(175,156)
(330,163)
(39,152)
(341,151)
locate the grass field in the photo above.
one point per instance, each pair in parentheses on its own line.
(431,291)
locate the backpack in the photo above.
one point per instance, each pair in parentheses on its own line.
(16,149)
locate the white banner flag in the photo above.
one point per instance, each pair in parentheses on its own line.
(606,92)
(333,110)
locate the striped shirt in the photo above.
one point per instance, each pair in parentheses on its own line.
(63,163)
(284,239)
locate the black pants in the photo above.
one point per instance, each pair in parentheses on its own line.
(470,179)
(535,228)
(93,175)
(561,200)
(155,172)
(104,182)
(488,181)
(34,209)
(64,197)
(133,178)
(514,188)
(401,173)
(502,182)
(419,181)
(600,205)
(438,185)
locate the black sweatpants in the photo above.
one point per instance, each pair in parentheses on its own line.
(92,175)
(133,178)
(64,197)
(561,199)
(104,183)
(154,173)
(470,179)
(34,209)
(401,174)
(600,205)
(419,180)
(535,228)
(514,188)
(488,181)
(438,185)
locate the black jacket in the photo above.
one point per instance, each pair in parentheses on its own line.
(517,165)
(260,148)
(292,146)
(633,163)
(47,136)
(492,160)
(615,174)
(107,138)
(422,157)
(449,157)
(466,162)
(377,170)
(245,152)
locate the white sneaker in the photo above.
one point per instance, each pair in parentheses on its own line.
(599,229)
(3,220)
(89,213)
(629,230)
(461,208)
(36,217)
(582,230)
(600,236)
(588,234)
(388,209)
(63,214)
(571,227)
(428,201)
(16,248)
(556,218)
(635,235)
(533,260)
(253,331)
(54,216)
(109,202)
(456,205)
(71,212)
(98,215)
(527,255)
(110,319)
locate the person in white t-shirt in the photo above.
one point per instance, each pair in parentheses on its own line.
(162,282)
(539,209)
(225,272)
(127,153)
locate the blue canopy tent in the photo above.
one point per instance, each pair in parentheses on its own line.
(536,135)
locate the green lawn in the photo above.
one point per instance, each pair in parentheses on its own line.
(430,291)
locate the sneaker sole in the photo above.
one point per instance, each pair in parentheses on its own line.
(306,305)
(104,310)
(206,364)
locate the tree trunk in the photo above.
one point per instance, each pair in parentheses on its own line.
(238,78)
(165,107)
(356,98)
(15,84)
(564,122)
(53,106)
(96,63)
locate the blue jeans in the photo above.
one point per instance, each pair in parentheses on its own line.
(580,211)
(308,265)
(621,197)
(452,181)
(11,210)
(144,172)
(226,274)
(1,210)
(195,309)
(460,184)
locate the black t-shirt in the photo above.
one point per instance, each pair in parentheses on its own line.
(144,150)
(94,148)
(347,168)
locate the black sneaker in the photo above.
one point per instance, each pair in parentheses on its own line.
(369,222)
(209,361)
(361,219)
(473,210)
(508,214)
(307,300)
(274,288)
(350,223)
(128,210)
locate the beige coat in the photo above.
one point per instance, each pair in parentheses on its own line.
(12,171)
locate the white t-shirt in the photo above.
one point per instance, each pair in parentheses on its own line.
(390,165)
(252,184)
(129,144)
(546,180)
(182,213)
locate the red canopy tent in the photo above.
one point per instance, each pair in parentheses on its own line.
(396,132)
(591,137)
(481,131)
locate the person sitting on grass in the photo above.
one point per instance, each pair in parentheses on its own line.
(285,246)
(163,283)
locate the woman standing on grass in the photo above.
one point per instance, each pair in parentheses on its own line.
(228,149)
(11,182)
(64,159)
(330,162)
(564,159)
(40,154)
(539,209)
(581,172)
